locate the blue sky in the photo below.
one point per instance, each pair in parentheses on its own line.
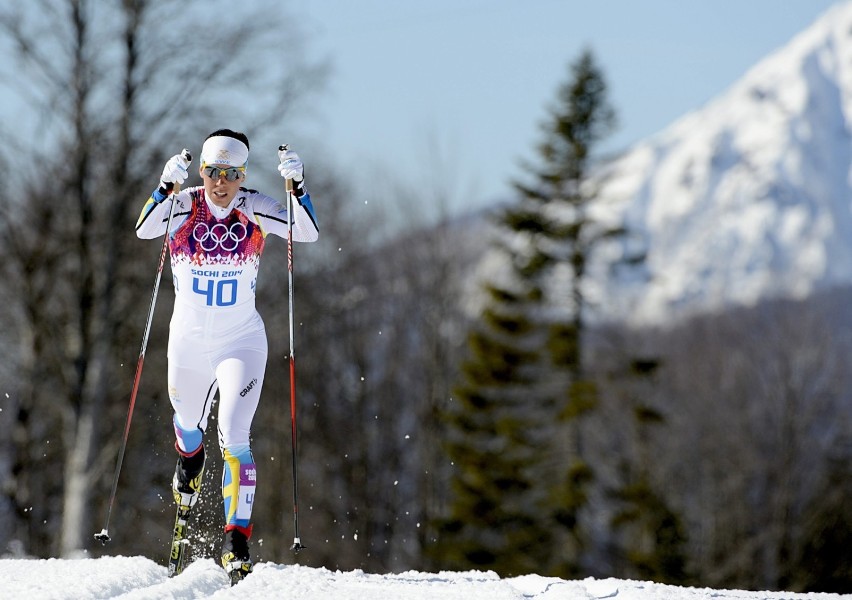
(458,88)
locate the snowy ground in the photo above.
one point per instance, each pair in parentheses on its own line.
(139,578)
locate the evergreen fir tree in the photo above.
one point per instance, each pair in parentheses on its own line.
(520,476)
(560,196)
(649,537)
(653,540)
(655,536)
(494,443)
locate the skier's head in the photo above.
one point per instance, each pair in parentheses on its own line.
(225,147)
(224,155)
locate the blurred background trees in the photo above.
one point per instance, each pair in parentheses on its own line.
(446,420)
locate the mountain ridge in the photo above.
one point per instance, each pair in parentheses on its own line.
(743,199)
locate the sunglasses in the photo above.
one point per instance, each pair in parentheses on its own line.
(231,173)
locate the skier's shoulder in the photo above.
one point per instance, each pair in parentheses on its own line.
(252,195)
(194,190)
(191,194)
(249,200)
(185,198)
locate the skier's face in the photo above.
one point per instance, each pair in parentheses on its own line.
(217,187)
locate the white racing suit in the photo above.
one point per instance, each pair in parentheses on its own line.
(217,340)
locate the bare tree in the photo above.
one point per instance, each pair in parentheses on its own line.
(755,412)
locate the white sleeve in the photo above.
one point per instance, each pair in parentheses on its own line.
(271,215)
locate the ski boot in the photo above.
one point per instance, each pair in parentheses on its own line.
(235,556)
(186,484)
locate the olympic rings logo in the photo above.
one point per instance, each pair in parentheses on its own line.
(219,236)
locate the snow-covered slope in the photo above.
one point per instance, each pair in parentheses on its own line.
(137,578)
(750,196)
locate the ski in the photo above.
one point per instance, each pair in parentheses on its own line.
(180,542)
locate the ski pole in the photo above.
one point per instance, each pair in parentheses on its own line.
(173,189)
(297,542)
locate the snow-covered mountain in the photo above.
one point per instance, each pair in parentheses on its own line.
(748,197)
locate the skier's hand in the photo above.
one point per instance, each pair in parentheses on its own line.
(291,166)
(175,171)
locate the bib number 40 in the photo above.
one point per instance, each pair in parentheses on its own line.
(222,292)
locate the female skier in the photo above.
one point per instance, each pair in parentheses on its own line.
(217,340)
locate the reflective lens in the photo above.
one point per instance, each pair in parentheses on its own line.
(231,173)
